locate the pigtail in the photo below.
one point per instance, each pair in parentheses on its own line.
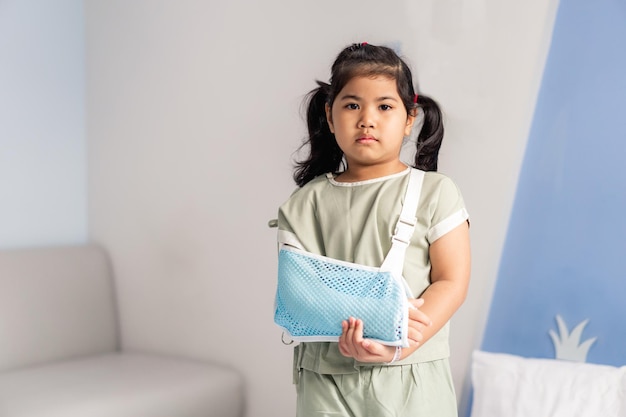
(324,153)
(430,136)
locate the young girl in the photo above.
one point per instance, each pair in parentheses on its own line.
(350,196)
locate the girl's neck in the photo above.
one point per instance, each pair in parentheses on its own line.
(364,173)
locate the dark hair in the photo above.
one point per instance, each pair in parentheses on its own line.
(364,60)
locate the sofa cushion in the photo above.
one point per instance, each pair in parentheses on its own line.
(55,303)
(122,385)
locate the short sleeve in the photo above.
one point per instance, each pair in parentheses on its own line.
(297,220)
(447,208)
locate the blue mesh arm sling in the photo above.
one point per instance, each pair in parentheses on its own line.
(316,293)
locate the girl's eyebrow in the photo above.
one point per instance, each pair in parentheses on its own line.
(350,97)
(357,98)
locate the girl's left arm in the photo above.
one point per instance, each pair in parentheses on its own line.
(450,273)
(450,260)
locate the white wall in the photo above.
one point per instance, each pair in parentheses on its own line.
(42,139)
(192,118)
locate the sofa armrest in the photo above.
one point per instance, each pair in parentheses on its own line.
(56,303)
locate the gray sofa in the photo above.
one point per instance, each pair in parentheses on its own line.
(60,349)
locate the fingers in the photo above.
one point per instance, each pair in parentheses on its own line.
(416,315)
(342,339)
(416,302)
(353,345)
(374,348)
(355,336)
(415,337)
(419,318)
(418,321)
(350,337)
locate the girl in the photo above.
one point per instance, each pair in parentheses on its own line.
(357,125)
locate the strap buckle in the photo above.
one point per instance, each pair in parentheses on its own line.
(404,230)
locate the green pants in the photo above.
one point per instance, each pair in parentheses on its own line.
(422,389)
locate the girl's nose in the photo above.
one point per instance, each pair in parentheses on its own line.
(366,120)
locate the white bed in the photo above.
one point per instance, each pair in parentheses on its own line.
(513,386)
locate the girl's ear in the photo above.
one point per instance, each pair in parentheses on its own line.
(410,120)
(329,117)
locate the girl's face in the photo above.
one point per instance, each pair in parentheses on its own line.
(369,122)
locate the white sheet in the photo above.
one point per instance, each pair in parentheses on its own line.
(512,386)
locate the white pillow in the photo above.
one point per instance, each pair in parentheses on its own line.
(512,386)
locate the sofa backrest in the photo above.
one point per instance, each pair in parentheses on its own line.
(55,303)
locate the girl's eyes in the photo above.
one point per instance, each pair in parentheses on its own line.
(354,106)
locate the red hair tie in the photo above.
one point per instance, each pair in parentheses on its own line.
(415,99)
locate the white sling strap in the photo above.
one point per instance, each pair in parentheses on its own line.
(394,261)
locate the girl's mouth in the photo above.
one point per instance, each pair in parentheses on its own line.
(366,139)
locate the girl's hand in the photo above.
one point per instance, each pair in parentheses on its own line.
(353,345)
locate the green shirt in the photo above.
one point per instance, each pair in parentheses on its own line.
(354,222)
